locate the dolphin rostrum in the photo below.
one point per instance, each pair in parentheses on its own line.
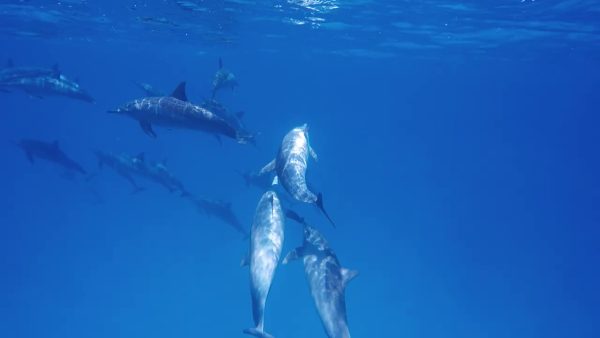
(327,281)
(266,241)
(50,152)
(176,111)
(290,167)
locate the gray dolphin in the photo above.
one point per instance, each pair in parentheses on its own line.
(219,209)
(158,172)
(50,152)
(40,82)
(290,167)
(223,79)
(148,89)
(176,112)
(266,242)
(234,119)
(124,165)
(327,281)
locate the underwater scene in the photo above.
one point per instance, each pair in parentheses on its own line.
(299,168)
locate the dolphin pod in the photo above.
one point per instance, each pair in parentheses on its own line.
(327,279)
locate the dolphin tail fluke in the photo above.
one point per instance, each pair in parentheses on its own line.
(319,204)
(257,333)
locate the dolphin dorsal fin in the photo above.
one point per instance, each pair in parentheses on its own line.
(348,275)
(179,92)
(220,63)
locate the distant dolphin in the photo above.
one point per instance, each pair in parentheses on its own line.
(219,209)
(50,152)
(266,241)
(290,166)
(148,89)
(234,119)
(223,79)
(40,82)
(327,281)
(176,112)
(122,164)
(159,173)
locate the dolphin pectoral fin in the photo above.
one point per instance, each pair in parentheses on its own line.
(319,204)
(267,168)
(257,333)
(275,180)
(147,128)
(245,261)
(348,275)
(293,255)
(313,154)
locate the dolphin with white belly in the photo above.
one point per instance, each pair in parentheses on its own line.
(266,241)
(290,167)
(327,281)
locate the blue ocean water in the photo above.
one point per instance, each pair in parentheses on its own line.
(457,146)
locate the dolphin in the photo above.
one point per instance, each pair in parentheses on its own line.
(124,165)
(176,112)
(234,119)
(39,82)
(148,89)
(50,152)
(223,79)
(327,281)
(266,241)
(219,209)
(290,167)
(159,173)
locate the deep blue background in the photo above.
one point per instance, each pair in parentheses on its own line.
(465,189)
